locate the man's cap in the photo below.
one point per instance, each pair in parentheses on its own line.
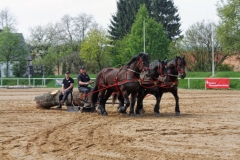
(82,67)
(67,72)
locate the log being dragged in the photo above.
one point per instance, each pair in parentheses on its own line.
(51,99)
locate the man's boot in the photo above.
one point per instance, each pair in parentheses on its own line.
(59,106)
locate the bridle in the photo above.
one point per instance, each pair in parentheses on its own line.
(140,65)
(178,68)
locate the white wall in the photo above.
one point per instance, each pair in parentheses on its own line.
(3,70)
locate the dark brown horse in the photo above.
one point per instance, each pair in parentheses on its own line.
(158,71)
(124,81)
(175,68)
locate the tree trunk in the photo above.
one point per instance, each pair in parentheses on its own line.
(51,99)
(7,68)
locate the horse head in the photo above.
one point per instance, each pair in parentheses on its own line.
(140,63)
(158,68)
(180,66)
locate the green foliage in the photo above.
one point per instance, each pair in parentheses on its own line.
(166,13)
(198,44)
(12,48)
(175,48)
(54,58)
(95,48)
(224,67)
(121,55)
(228,30)
(156,41)
(163,11)
(19,68)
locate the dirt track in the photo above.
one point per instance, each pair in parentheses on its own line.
(208,128)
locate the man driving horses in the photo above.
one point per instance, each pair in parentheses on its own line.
(83,82)
(67,87)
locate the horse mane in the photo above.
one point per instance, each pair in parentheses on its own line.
(134,58)
(154,64)
(173,61)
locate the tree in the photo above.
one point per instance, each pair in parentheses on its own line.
(19,68)
(96,47)
(198,43)
(163,11)
(56,43)
(228,30)
(74,29)
(82,23)
(166,13)
(72,62)
(12,48)
(176,48)
(156,40)
(40,41)
(7,20)
(121,52)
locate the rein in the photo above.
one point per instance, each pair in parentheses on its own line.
(132,70)
(173,75)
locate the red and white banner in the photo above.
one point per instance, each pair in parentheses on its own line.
(217,83)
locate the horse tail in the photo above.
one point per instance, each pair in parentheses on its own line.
(95,91)
(114,97)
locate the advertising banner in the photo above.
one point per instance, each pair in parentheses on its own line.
(58,82)
(215,83)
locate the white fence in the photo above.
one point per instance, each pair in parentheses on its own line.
(31,81)
(57,81)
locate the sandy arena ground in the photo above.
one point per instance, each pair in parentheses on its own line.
(208,128)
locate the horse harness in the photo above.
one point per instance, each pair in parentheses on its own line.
(160,80)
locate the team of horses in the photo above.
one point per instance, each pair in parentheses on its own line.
(137,79)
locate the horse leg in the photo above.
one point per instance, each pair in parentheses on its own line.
(106,96)
(101,108)
(140,97)
(133,101)
(121,101)
(123,108)
(175,94)
(142,111)
(158,96)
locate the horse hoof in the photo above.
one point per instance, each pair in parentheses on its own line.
(142,111)
(105,114)
(178,114)
(121,110)
(138,115)
(123,113)
(156,114)
(132,115)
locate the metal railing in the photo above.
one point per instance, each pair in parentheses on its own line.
(29,82)
(41,82)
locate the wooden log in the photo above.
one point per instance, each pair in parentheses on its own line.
(51,99)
